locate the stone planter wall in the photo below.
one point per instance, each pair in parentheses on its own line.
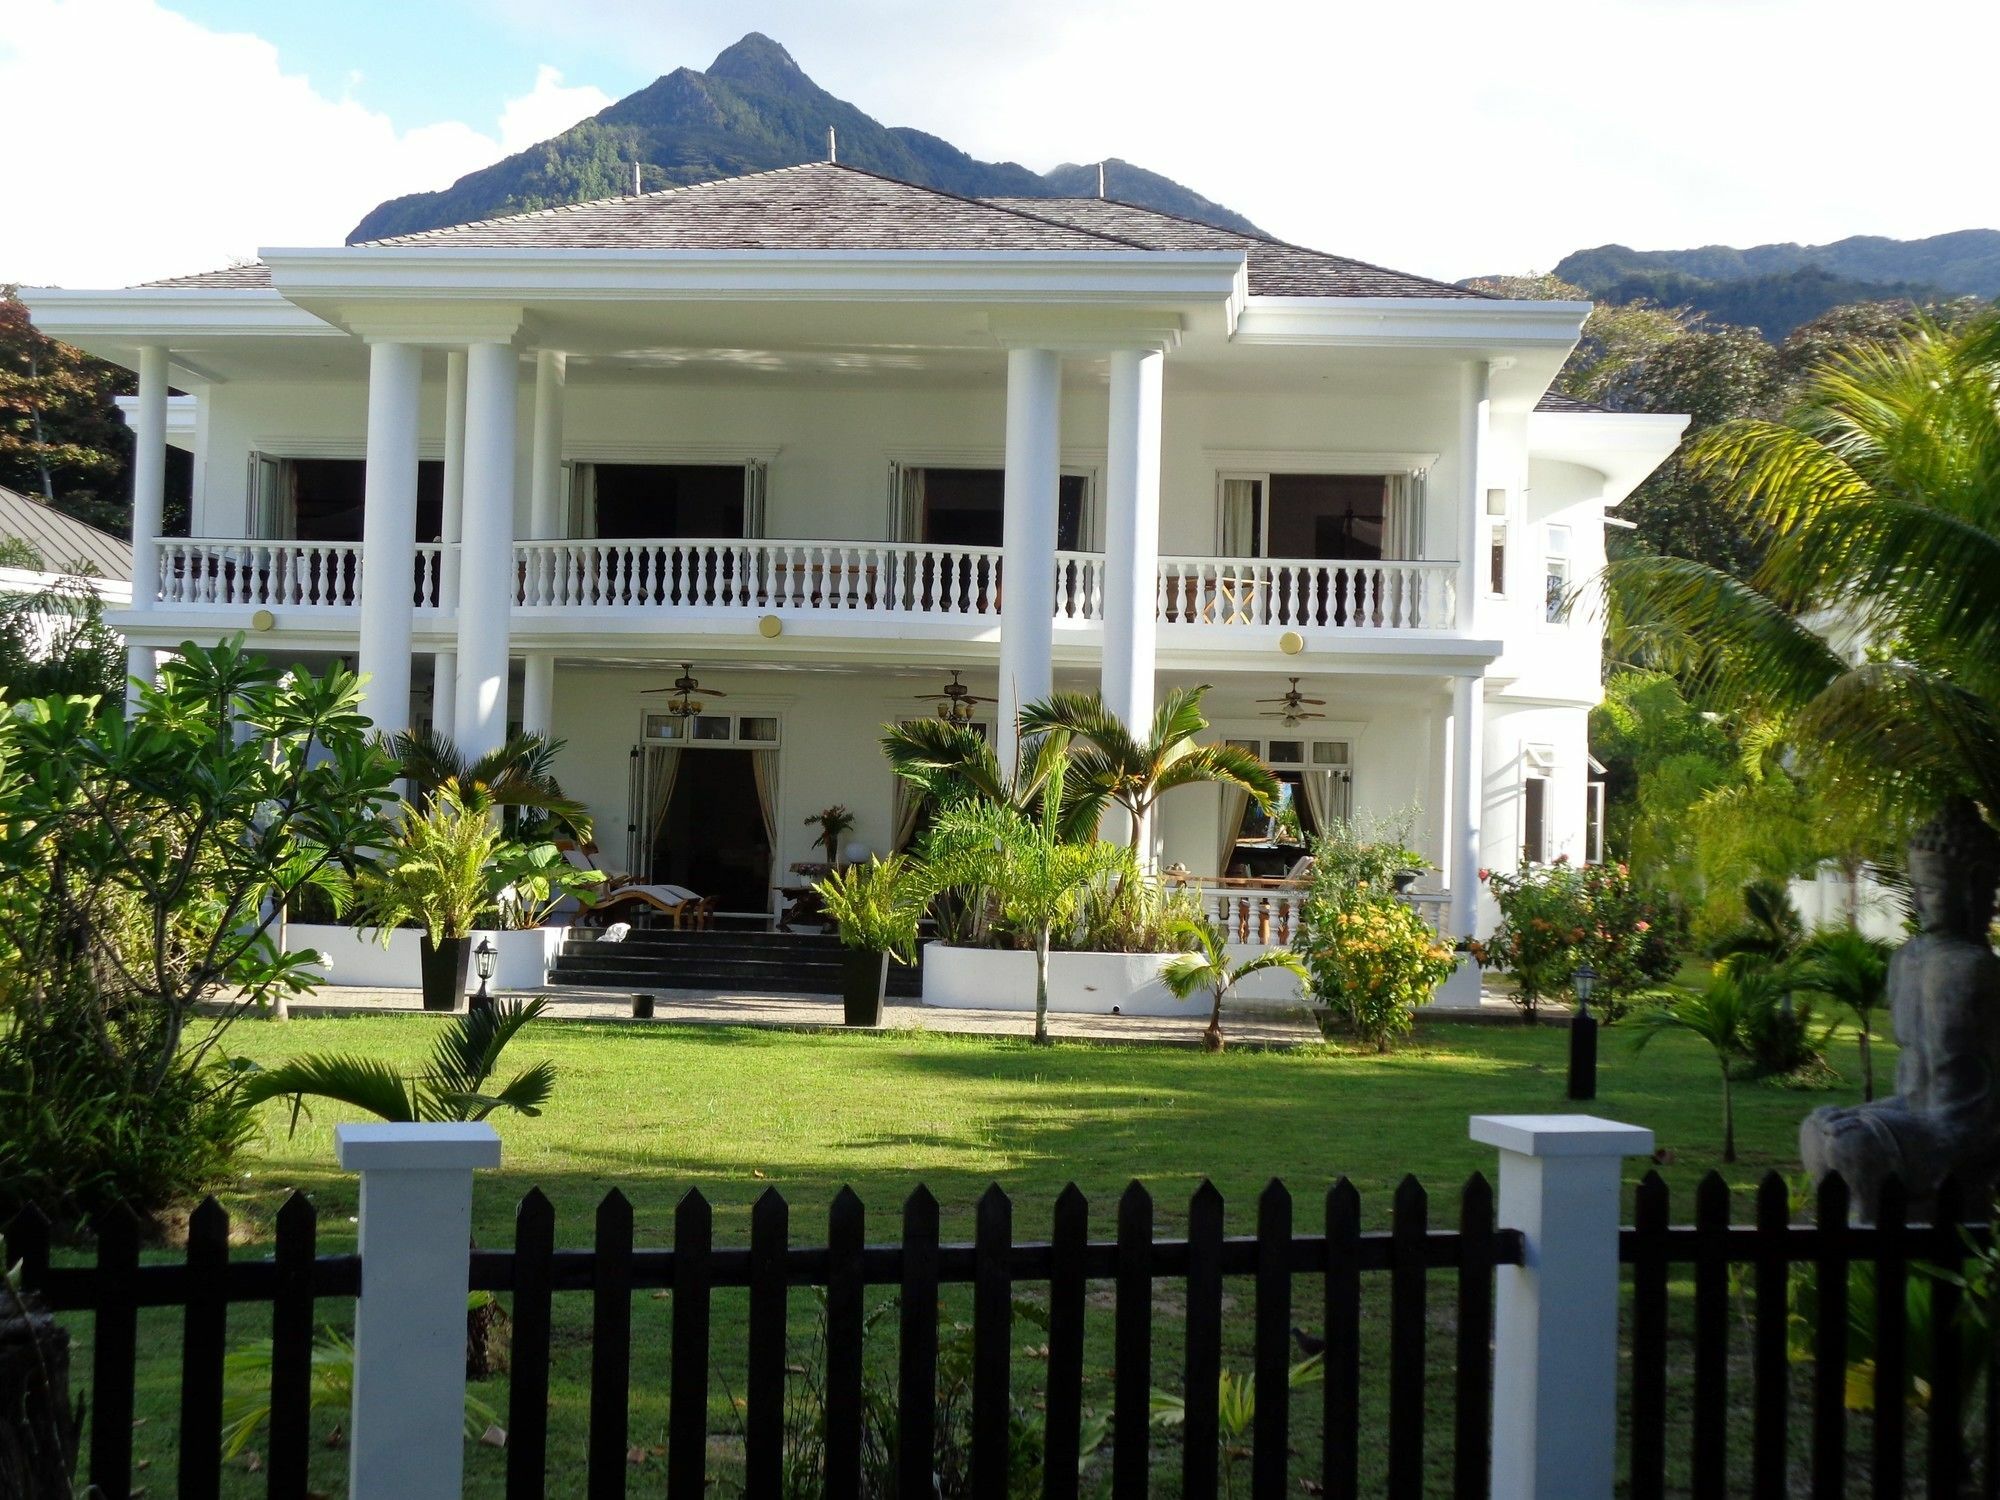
(359,959)
(1079,983)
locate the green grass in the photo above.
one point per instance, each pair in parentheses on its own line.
(654,1110)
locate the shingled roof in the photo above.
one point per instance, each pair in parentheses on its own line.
(825,206)
(1276,269)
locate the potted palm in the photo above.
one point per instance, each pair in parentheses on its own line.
(874,909)
(833,823)
(438,875)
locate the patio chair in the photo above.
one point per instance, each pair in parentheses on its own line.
(679,905)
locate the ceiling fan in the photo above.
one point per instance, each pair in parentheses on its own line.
(1294,707)
(684,703)
(955,701)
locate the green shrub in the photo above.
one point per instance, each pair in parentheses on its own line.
(875,907)
(1129,914)
(1557,917)
(1373,961)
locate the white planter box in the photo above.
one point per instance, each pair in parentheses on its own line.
(360,959)
(1079,983)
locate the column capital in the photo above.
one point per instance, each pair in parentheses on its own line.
(439,325)
(1086,331)
(1561,1135)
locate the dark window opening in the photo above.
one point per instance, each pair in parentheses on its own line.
(1534,816)
(1333,517)
(712,837)
(962,508)
(329,496)
(668,500)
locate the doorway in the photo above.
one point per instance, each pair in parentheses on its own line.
(712,837)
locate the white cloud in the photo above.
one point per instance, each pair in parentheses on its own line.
(145,145)
(548,110)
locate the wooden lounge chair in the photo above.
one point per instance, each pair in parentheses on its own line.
(679,905)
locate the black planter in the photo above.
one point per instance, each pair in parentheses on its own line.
(1405,879)
(445,966)
(864,979)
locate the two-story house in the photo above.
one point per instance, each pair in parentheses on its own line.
(835,441)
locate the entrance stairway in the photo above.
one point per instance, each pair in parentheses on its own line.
(730,962)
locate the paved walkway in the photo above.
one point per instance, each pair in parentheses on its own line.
(1258,1026)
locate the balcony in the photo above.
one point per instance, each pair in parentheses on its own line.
(688,579)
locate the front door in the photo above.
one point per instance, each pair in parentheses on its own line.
(711,838)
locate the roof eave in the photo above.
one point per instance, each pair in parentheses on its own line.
(1471,323)
(1623,447)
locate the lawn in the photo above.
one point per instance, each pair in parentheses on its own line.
(654,1110)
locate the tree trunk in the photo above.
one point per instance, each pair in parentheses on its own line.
(1042,988)
(1212,1038)
(1728,1117)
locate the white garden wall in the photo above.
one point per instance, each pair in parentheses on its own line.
(359,959)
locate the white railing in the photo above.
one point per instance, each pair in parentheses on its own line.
(201,571)
(693,574)
(1307,593)
(861,578)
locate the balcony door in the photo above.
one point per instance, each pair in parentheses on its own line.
(323,499)
(1329,518)
(961,507)
(631,502)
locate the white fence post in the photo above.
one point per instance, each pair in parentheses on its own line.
(1555,1328)
(406,1431)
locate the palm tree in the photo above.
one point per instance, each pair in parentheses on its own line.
(518,777)
(1872,625)
(454,1087)
(1136,773)
(1208,968)
(1723,1014)
(1025,865)
(950,765)
(1771,932)
(1853,969)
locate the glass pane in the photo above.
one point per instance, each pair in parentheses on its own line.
(663,727)
(1330,752)
(1558,539)
(761,730)
(711,727)
(1328,516)
(1286,752)
(1253,746)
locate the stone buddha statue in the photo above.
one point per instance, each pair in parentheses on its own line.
(1944,1002)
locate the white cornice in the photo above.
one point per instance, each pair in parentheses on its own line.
(1143,277)
(1434,322)
(161,314)
(1624,447)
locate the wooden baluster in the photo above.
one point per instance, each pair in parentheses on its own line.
(1242,919)
(1284,919)
(1264,920)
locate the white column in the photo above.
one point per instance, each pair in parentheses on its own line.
(1468,782)
(486,569)
(149,500)
(405,1433)
(1028,536)
(389,532)
(444,665)
(538,671)
(1475,411)
(1132,535)
(1555,1325)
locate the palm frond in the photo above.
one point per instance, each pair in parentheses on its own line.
(363,1083)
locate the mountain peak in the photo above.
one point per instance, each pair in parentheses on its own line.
(756,59)
(753,110)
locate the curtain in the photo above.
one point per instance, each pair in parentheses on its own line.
(764,767)
(1403,526)
(1235,801)
(1240,500)
(755,481)
(658,769)
(909,811)
(1329,798)
(906,503)
(582,500)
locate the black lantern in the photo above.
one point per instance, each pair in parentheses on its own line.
(1583,1037)
(484,957)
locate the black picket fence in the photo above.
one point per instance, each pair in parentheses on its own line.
(1735,1315)
(1741,1280)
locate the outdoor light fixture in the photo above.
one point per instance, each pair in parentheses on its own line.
(1583,1037)
(484,957)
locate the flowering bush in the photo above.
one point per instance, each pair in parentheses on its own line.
(1373,962)
(1555,918)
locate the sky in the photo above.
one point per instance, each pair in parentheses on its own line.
(1447,137)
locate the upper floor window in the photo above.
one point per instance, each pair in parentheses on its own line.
(1496,543)
(1557,569)
(961,507)
(627,501)
(322,499)
(1327,517)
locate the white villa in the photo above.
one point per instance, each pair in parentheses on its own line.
(829,439)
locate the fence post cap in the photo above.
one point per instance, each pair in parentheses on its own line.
(416,1147)
(1562,1135)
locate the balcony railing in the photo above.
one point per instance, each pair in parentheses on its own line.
(871,579)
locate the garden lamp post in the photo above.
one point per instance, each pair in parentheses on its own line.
(483,959)
(1583,1037)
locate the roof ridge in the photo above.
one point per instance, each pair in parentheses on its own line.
(568,208)
(1272,240)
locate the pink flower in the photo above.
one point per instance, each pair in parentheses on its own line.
(1645,926)
(1485,874)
